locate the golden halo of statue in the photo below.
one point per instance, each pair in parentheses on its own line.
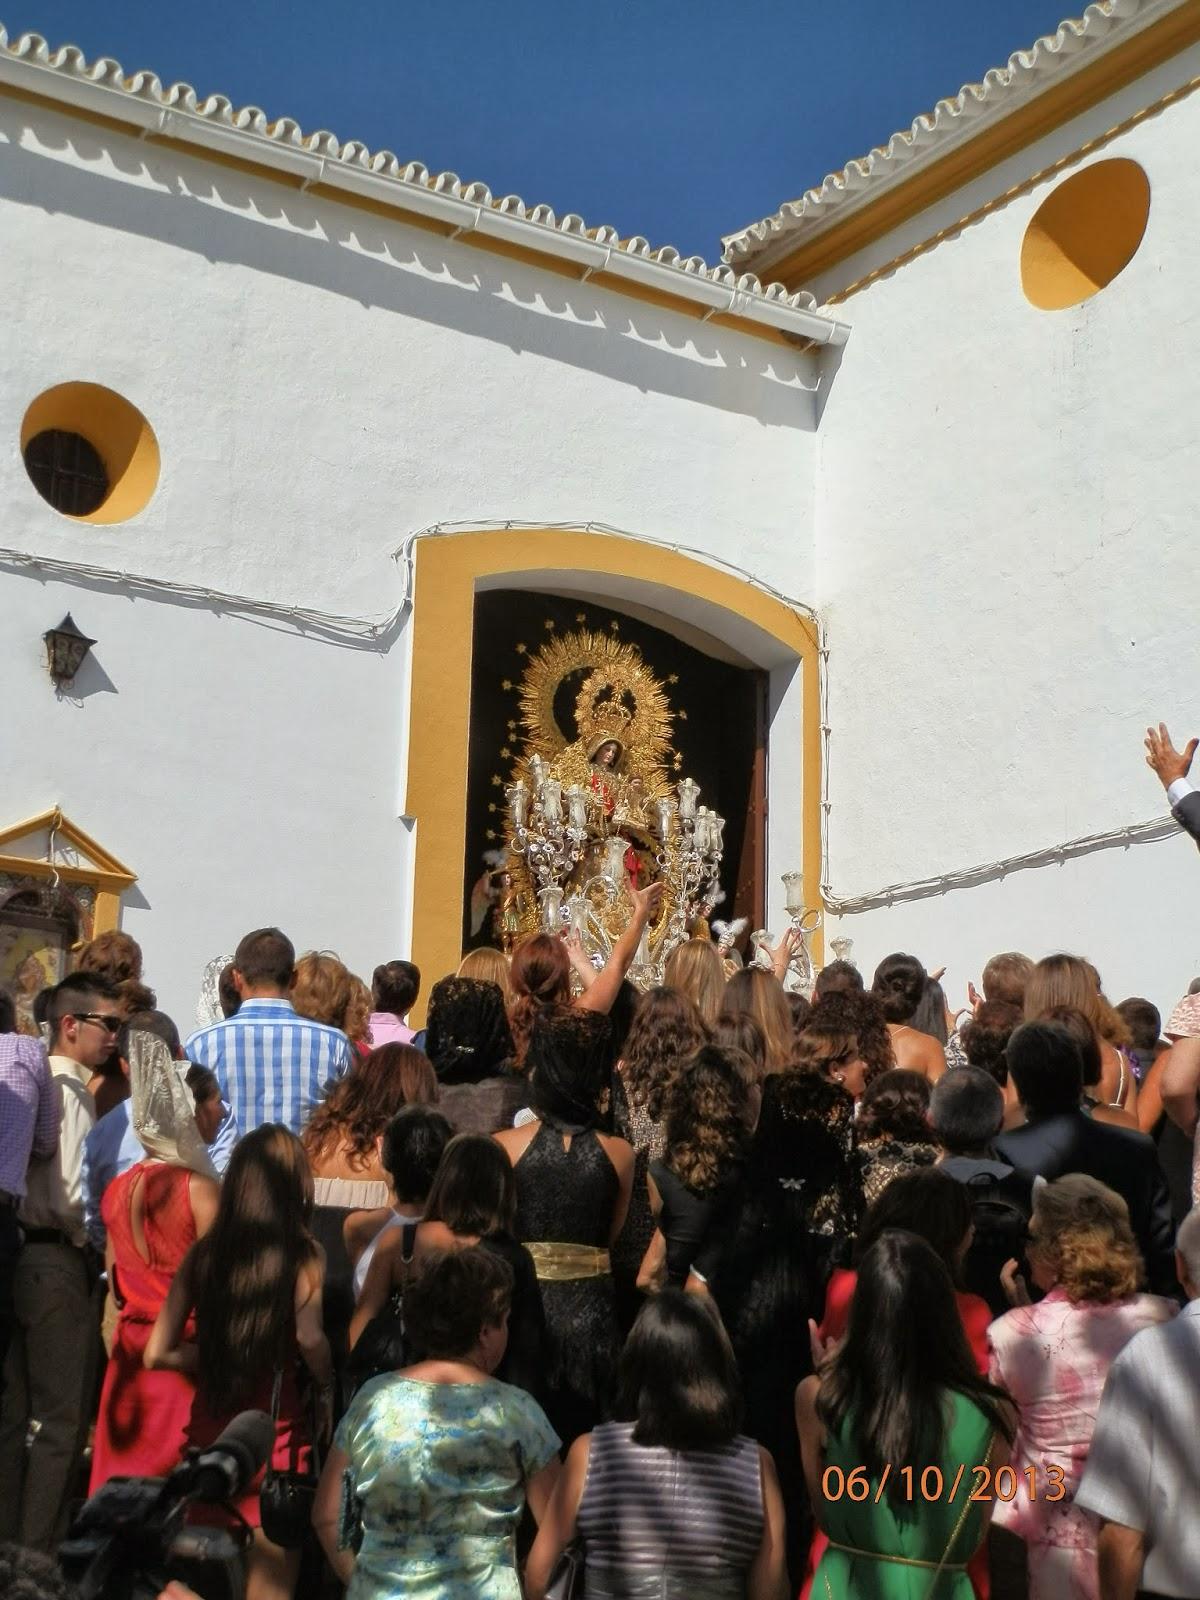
(620,700)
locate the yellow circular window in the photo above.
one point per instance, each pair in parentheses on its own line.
(1084,234)
(90,453)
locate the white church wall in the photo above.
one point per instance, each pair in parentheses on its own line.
(247,774)
(322,382)
(1007,567)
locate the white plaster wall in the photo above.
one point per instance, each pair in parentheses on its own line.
(322,382)
(1007,563)
(243,772)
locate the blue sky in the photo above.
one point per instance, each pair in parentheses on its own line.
(677,119)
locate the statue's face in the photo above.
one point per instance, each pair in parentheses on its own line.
(608,753)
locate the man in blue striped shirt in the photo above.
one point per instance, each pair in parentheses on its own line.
(272,1065)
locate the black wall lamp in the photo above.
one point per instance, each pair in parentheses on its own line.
(66,648)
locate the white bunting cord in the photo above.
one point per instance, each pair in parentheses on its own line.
(379,633)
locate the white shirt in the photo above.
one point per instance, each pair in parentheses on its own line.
(54,1185)
(1144,1463)
(398,1219)
(1177,790)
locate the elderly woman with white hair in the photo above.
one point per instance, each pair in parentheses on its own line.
(153,1214)
(1053,1358)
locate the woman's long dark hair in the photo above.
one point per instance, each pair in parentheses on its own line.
(666,1031)
(904,1349)
(678,1380)
(927,1202)
(474,1190)
(247,1264)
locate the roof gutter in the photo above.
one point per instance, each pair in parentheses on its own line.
(308,164)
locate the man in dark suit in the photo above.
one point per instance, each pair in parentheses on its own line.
(1172,767)
(1059,1137)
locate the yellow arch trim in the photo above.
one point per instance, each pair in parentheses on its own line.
(447,571)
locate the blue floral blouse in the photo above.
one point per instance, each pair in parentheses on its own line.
(440,1471)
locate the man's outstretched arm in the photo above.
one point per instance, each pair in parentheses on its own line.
(1172,767)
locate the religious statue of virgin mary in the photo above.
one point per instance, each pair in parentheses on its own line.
(591,806)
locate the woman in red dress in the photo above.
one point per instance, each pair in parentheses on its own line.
(254,1286)
(154,1213)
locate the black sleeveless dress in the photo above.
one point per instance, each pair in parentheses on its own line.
(567,1196)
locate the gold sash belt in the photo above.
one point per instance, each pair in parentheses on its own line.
(563,1263)
(900,1561)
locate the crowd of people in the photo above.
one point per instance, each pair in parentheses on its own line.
(708,1291)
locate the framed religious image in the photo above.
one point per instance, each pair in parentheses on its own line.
(37,933)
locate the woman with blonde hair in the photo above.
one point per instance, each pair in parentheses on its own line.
(325,990)
(1053,1358)
(758,993)
(487,965)
(695,968)
(1063,980)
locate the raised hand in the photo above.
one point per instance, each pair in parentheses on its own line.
(1016,1290)
(646,901)
(789,946)
(1163,758)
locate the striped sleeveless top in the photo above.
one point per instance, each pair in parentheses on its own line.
(661,1524)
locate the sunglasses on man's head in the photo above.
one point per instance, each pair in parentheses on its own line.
(109,1023)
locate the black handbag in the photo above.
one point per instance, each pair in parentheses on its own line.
(567,1579)
(286,1498)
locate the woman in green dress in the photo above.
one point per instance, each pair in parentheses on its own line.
(898,1433)
(432,1466)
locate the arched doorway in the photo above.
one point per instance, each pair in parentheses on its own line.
(449,569)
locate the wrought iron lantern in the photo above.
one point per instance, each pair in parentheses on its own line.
(66,648)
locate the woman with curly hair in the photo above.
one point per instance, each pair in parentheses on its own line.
(706,1132)
(540,974)
(325,990)
(666,1032)
(892,1132)
(1053,1358)
(118,957)
(1063,980)
(695,969)
(900,982)
(859,1012)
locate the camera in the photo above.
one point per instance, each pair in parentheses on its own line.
(130,1539)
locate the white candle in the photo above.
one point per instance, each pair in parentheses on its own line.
(689,793)
(577,806)
(614,858)
(551,898)
(793,889)
(518,802)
